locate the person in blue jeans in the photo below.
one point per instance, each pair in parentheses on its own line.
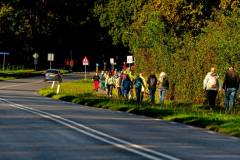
(163,85)
(152,83)
(230,86)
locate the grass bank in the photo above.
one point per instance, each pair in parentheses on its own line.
(14,74)
(81,92)
(23,73)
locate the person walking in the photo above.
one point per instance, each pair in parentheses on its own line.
(152,82)
(138,84)
(143,86)
(110,84)
(118,84)
(96,80)
(163,85)
(126,85)
(131,76)
(102,80)
(230,86)
(212,84)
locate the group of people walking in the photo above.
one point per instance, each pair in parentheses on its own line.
(126,83)
(212,85)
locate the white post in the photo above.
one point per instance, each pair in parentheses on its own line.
(3,62)
(85,72)
(53,83)
(58,88)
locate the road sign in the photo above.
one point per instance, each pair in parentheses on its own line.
(112,61)
(4,53)
(85,61)
(35,55)
(129,59)
(35,61)
(50,57)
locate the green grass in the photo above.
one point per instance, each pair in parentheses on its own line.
(6,78)
(81,92)
(13,74)
(23,73)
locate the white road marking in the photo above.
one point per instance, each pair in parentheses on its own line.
(22,84)
(134,148)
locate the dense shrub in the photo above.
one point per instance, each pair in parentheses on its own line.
(183,38)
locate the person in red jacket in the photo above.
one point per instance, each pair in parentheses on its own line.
(96,80)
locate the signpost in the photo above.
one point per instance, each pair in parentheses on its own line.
(104,66)
(112,63)
(97,67)
(50,59)
(85,63)
(35,56)
(4,54)
(129,60)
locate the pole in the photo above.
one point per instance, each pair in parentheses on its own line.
(96,69)
(50,65)
(85,71)
(105,66)
(3,62)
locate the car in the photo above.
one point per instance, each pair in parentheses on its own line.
(53,75)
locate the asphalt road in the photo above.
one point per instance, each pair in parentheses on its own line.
(39,128)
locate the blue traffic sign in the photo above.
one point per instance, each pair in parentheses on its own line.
(5,53)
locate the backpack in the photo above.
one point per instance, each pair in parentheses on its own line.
(212,82)
(124,76)
(152,82)
(103,78)
(126,84)
(138,83)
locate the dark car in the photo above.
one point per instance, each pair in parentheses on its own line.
(53,75)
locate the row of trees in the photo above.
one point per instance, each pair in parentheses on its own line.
(181,37)
(66,28)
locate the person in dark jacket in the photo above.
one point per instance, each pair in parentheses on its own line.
(230,86)
(138,84)
(126,85)
(152,83)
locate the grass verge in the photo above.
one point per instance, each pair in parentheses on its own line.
(13,74)
(81,92)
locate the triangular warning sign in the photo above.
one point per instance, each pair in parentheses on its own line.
(85,61)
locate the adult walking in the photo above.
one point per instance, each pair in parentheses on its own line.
(230,85)
(138,84)
(143,86)
(102,80)
(126,85)
(110,84)
(212,84)
(118,84)
(96,80)
(152,83)
(163,85)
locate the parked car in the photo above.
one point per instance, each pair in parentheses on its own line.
(53,75)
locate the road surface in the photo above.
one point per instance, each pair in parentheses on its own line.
(39,128)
